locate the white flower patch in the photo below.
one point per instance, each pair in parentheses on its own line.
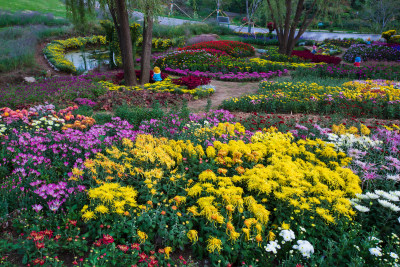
(272,246)
(389,205)
(305,248)
(387,195)
(288,235)
(348,141)
(375,251)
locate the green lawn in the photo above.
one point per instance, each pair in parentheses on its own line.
(56,7)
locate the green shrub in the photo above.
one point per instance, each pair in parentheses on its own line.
(84,110)
(135,115)
(102,118)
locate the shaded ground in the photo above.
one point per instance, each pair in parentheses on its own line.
(223,90)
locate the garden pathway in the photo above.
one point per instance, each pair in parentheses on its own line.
(223,90)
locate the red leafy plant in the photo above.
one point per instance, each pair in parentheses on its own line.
(191,82)
(317,58)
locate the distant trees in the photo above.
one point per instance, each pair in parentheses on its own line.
(292,18)
(381,12)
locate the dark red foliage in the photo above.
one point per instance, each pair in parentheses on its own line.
(317,58)
(192,82)
(120,76)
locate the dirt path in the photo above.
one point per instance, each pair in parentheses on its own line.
(224,90)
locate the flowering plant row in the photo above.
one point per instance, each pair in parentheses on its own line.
(232,48)
(192,82)
(345,42)
(234,195)
(120,76)
(167,85)
(237,77)
(272,54)
(371,52)
(307,55)
(357,99)
(351,72)
(58,90)
(224,67)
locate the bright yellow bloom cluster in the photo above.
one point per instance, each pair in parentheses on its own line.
(308,177)
(214,244)
(341,129)
(159,87)
(286,92)
(288,65)
(373,89)
(109,198)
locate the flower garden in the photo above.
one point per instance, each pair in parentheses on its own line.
(304,171)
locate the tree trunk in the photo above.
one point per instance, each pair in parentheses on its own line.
(146,52)
(125,43)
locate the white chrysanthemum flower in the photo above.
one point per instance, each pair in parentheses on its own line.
(361,196)
(361,208)
(272,246)
(288,235)
(376,251)
(371,195)
(395,193)
(395,177)
(384,203)
(394,255)
(387,195)
(388,204)
(304,247)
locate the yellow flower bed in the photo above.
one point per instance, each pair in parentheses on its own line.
(241,189)
(158,87)
(373,89)
(292,65)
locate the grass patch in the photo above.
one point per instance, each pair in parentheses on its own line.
(55,7)
(18,44)
(32,18)
(325,81)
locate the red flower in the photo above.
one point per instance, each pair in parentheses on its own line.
(39,245)
(123,248)
(73,222)
(75,262)
(97,243)
(142,257)
(49,233)
(135,246)
(107,239)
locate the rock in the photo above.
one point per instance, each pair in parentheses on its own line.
(29,79)
(202,38)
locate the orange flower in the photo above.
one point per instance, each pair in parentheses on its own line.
(163,212)
(174,207)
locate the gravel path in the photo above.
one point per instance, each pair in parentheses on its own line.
(318,36)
